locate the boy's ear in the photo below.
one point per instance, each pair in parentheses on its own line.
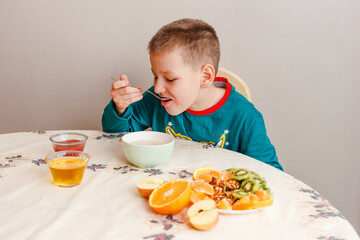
(207,75)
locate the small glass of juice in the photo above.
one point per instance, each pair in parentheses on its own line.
(67,167)
(68,141)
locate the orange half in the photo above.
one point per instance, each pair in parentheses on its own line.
(171,197)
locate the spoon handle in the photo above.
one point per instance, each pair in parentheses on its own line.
(140,89)
(146,91)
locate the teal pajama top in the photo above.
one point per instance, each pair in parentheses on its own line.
(233,123)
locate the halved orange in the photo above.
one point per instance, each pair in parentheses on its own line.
(171,197)
(202,187)
(206,174)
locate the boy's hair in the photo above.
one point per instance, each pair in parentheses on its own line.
(198,42)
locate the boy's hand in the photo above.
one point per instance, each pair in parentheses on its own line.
(123,95)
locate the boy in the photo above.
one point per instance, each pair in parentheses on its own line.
(184,58)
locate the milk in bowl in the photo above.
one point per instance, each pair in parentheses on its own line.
(147,149)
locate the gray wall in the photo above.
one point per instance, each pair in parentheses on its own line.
(300,59)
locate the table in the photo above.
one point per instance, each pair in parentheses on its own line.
(106,205)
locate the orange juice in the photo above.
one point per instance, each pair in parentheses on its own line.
(67,171)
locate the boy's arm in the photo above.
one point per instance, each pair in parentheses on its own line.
(112,123)
(257,144)
(137,116)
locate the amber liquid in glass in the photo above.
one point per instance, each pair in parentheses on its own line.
(74,145)
(64,171)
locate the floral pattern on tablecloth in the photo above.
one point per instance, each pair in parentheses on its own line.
(39,162)
(329,238)
(95,167)
(323,208)
(160,236)
(171,223)
(321,211)
(39,132)
(180,173)
(124,169)
(6,165)
(110,136)
(153,171)
(105,136)
(315,217)
(14,159)
(166,225)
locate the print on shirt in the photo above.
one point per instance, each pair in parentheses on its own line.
(220,143)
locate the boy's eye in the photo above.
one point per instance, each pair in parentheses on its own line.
(170,80)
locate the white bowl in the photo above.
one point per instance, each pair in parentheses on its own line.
(147,149)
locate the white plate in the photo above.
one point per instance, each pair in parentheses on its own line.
(235,212)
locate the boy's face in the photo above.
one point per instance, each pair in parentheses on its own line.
(177,80)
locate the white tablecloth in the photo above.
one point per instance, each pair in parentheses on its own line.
(106,205)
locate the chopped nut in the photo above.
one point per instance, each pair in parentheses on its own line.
(224,189)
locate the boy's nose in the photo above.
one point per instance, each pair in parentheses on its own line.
(159,87)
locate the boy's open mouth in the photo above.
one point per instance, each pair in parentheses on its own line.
(166,102)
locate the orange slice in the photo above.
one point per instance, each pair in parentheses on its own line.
(171,197)
(225,175)
(262,194)
(224,204)
(197,196)
(251,202)
(202,187)
(206,174)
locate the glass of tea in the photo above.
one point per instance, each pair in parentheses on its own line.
(67,167)
(68,141)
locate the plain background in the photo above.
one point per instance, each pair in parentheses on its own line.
(301,60)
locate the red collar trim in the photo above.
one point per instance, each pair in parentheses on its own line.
(217,105)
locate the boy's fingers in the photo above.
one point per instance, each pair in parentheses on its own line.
(120,83)
(123,104)
(135,99)
(123,77)
(125,97)
(125,93)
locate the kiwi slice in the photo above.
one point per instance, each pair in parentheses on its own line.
(240,174)
(238,193)
(263,183)
(254,174)
(250,185)
(247,185)
(250,181)
(233,170)
(256,186)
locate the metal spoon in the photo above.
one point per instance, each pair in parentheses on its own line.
(161,98)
